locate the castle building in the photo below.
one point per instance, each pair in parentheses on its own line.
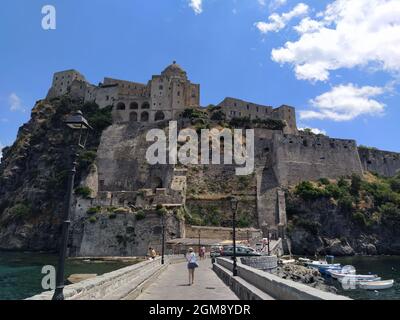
(164,97)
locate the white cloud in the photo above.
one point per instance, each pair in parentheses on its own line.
(314,130)
(275,4)
(278,22)
(196,5)
(344,103)
(15,103)
(346,34)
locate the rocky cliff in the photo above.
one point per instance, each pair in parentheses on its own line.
(34,170)
(345,217)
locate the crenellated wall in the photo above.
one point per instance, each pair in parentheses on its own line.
(310,157)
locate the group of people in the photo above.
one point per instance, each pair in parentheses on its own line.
(191,259)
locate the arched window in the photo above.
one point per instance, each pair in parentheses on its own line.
(145,105)
(159,116)
(121,106)
(133,116)
(144,116)
(134,106)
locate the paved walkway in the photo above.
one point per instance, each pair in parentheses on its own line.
(172,284)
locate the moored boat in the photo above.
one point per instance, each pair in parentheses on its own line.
(359,277)
(376,285)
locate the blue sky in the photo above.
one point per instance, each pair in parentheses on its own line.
(340,68)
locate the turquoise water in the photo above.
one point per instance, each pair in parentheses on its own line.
(21,277)
(386,267)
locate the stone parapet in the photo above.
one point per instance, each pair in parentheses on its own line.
(272,285)
(120,284)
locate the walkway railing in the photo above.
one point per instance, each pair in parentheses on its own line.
(125,283)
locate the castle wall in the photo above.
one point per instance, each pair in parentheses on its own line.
(122,161)
(309,157)
(384,163)
(287,114)
(62,81)
(238,108)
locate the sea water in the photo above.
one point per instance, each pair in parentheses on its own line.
(386,267)
(21,277)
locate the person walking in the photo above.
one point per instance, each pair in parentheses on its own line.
(203,252)
(192,264)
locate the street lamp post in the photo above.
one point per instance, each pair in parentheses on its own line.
(75,121)
(234,206)
(163,239)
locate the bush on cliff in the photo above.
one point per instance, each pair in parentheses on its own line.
(307,191)
(93,210)
(83,192)
(20,210)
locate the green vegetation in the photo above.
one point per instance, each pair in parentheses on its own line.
(20,210)
(92,219)
(161,211)
(367,202)
(366,147)
(140,215)
(194,114)
(218,115)
(121,210)
(86,159)
(98,118)
(307,191)
(83,192)
(93,210)
(246,122)
(243,220)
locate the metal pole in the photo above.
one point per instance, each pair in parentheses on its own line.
(268,238)
(58,293)
(163,241)
(235,273)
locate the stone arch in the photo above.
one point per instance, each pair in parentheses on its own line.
(133,116)
(134,106)
(159,116)
(144,116)
(145,105)
(121,106)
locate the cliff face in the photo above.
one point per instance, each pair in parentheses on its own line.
(345,217)
(34,170)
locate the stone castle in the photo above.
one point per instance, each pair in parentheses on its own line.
(164,97)
(121,176)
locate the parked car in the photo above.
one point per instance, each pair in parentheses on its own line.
(215,251)
(241,251)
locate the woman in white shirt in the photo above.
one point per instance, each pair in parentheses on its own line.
(192,264)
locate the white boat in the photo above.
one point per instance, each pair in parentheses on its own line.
(357,281)
(304,260)
(323,265)
(284,261)
(358,277)
(376,285)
